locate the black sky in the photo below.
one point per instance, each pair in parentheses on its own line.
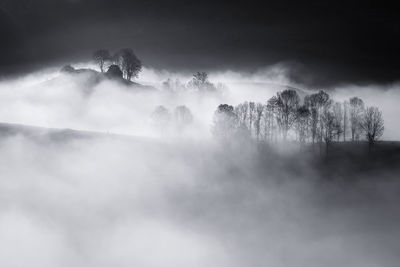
(325,42)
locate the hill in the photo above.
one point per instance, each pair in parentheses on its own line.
(345,160)
(89,78)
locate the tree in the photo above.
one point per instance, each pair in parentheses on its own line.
(183,116)
(302,123)
(101,56)
(161,117)
(67,69)
(128,62)
(201,83)
(345,118)
(317,103)
(285,104)
(252,108)
(268,121)
(338,115)
(225,122)
(356,111)
(257,120)
(329,128)
(372,124)
(241,111)
(173,86)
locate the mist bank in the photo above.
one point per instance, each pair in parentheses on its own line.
(92,199)
(50,99)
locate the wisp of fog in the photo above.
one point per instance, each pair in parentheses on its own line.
(120,192)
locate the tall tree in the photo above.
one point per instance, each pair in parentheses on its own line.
(317,103)
(303,123)
(128,62)
(356,111)
(101,56)
(161,117)
(329,128)
(201,83)
(259,109)
(242,111)
(183,116)
(338,115)
(252,108)
(345,119)
(268,122)
(372,124)
(225,122)
(286,104)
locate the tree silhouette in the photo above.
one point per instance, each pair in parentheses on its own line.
(161,117)
(101,56)
(285,104)
(372,124)
(317,103)
(345,118)
(241,111)
(128,62)
(183,116)
(303,123)
(328,126)
(338,116)
(225,122)
(356,111)
(201,83)
(252,108)
(259,109)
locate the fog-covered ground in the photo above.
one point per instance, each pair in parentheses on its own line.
(151,198)
(49,99)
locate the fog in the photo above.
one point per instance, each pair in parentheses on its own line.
(130,194)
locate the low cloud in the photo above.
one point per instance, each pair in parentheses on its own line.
(149,200)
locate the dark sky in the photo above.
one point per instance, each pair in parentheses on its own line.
(325,42)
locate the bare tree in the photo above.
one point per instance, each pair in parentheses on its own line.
(356,111)
(173,86)
(286,104)
(201,83)
(317,103)
(225,123)
(183,116)
(128,62)
(252,108)
(257,120)
(101,56)
(268,122)
(345,118)
(302,124)
(372,124)
(241,111)
(311,104)
(338,115)
(329,127)
(161,117)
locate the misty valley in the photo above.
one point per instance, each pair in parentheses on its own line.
(112,163)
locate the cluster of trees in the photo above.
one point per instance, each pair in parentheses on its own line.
(315,119)
(181,117)
(123,61)
(198,83)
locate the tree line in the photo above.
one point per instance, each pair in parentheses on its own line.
(314,119)
(198,83)
(162,118)
(124,62)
